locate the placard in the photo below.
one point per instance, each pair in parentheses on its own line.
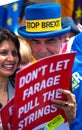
(38,84)
(6,115)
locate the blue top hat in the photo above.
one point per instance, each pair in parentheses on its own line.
(43,21)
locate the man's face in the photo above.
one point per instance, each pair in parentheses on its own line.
(45,47)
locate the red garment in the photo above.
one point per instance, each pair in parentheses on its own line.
(64,47)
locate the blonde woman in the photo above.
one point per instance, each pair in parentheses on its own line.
(25,52)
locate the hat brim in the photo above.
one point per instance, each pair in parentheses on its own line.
(22,31)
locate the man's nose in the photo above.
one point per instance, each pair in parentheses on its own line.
(43,48)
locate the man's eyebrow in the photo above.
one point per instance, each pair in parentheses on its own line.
(33,40)
(51,39)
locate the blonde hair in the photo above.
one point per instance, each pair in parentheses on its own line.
(25,51)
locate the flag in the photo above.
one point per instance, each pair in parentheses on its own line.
(73,9)
(9,15)
(67,7)
(77,13)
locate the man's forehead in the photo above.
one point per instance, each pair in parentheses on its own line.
(40,39)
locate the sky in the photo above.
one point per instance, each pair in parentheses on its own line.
(3,2)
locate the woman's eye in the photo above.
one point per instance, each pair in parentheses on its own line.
(3,53)
(15,53)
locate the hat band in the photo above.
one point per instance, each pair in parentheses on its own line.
(43,25)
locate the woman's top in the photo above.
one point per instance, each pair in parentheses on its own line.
(10,95)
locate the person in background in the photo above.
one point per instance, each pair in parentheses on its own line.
(77,81)
(46,41)
(21,18)
(21,21)
(25,53)
(67,39)
(9,60)
(79,26)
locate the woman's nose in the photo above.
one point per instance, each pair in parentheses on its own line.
(10,57)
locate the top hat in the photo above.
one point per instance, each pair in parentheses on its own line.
(43,21)
(69,21)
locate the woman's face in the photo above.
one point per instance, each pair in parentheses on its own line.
(8,58)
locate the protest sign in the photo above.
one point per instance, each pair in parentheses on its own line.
(36,86)
(6,115)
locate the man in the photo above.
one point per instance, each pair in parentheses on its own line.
(77,81)
(43,30)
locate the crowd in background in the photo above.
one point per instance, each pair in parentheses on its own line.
(10,12)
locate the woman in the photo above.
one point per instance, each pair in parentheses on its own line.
(25,53)
(9,60)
